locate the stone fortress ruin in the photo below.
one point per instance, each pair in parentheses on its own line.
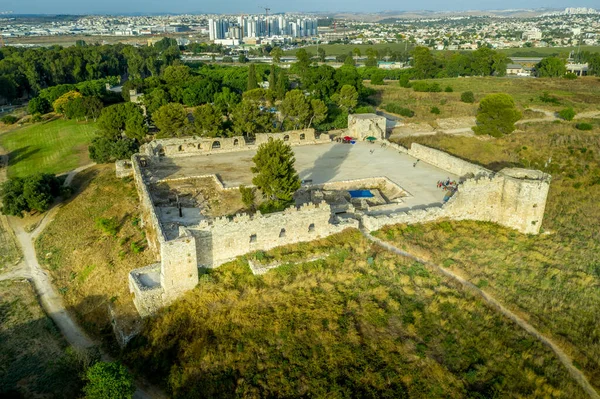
(185,186)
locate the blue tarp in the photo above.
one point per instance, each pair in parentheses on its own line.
(361,194)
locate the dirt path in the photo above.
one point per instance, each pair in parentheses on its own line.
(562,356)
(50,300)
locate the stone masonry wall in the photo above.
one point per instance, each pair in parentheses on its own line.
(503,198)
(361,126)
(154,233)
(188,146)
(225,239)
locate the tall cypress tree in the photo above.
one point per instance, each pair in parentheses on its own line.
(272,78)
(252,78)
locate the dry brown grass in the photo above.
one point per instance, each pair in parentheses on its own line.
(552,279)
(88,267)
(583,94)
(9,250)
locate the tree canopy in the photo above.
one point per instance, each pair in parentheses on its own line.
(274,171)
(108,380)
(32,193)
(497,115)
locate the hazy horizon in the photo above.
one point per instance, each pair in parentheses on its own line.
(256,7)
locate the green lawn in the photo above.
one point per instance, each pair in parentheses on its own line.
(52,147)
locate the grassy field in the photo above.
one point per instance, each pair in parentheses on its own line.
(52,147)
(337,49)
(9,250)
(87,266)
(546,51)
(582,94)
(360,323)
(34,359)
(552,279)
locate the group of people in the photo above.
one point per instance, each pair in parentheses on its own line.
(447,184)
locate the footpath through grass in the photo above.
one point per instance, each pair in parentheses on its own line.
(363,322)
(88,266)
(552,279)
(34,359)
(51,147)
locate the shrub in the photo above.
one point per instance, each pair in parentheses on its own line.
(547,98)
(108,381)
(397,109)
(247,196)
(105,150)
(448,89)
(567,114)
(365,109)
(570,76)
(108,226)
(584,126)
(430,87)
(377,78)
(435,110)
(467,97)
(9,119)
(404,81)
(136,248)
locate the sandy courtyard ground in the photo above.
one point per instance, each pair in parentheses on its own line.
(321,163)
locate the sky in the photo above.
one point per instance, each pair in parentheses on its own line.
(253,6)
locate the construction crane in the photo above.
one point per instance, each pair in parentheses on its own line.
(267,9)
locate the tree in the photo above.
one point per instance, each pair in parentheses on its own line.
(349,61)
(242,59)
(551,67)
(347,98)
(467,97)
(226,100)
(39,105)
(276,53)
(248,119)
(105,150)
(321,54)
(377,78)
(283,84)
(296,108)
(177,75)
(251,78)
(318,112)
(155,99)
(171,119)
(356,53)
(424,63)
(108,380)
(274,171)
(61,103)
(272,77)
(208,120)
(32,193)
(497,115)
(122,118)
(248,194)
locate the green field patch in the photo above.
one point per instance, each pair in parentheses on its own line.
(50,147)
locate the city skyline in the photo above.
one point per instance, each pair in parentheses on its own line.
(115,7)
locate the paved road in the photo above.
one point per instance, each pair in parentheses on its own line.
(562,356)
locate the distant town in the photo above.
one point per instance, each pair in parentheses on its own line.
(569,27)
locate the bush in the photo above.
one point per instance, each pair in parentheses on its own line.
(39,105)
(570,76)
(547,98)
(404,81)
(365,109)
(9,119)
(377,78)
(584,126)
(567,114)
(273,206)
(435,110)
(467,97)
(448,89)
(108,381)
(108,226)
(32,193)
(247,196)
(426,87)
(397,109)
